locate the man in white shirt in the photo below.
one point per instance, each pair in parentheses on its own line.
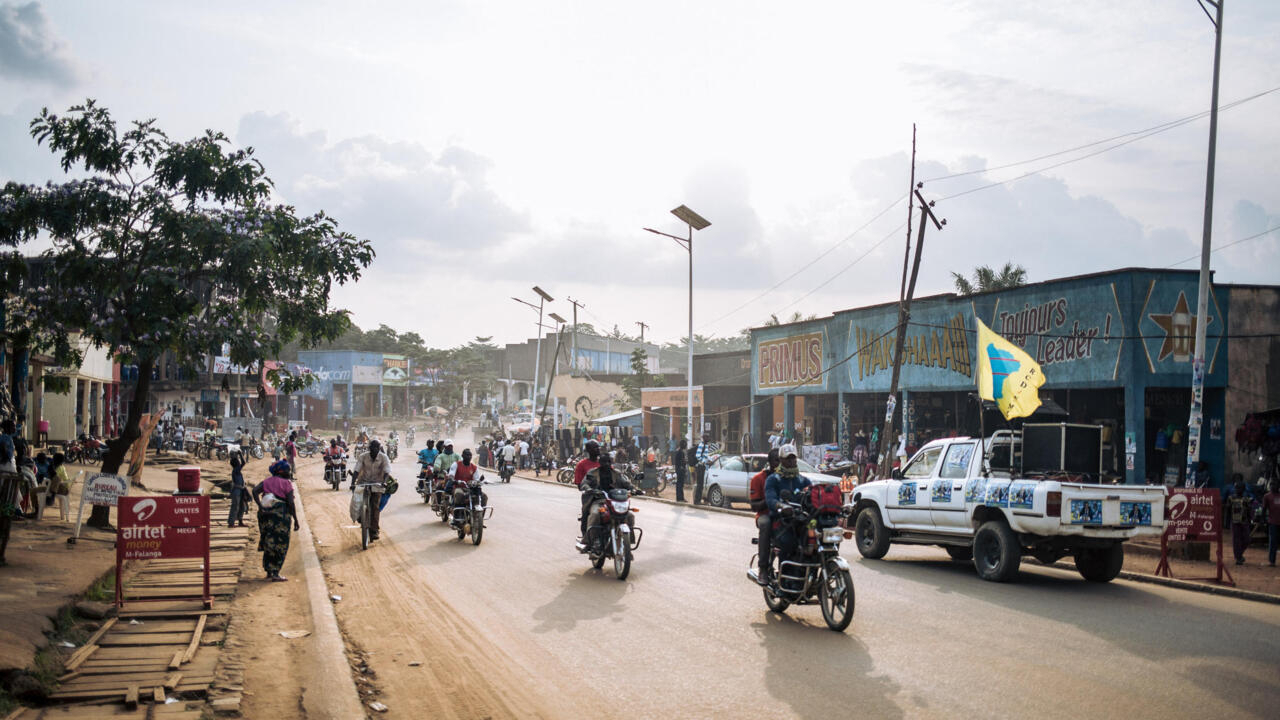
(524,455)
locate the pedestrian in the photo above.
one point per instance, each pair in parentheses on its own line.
(1271,511)
(682,468)
(8,453)
(42,432)
(238,490)
(701,458)
(291,451)
(1239,502)
(274,498)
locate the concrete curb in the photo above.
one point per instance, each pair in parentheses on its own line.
(1127,575)
(330,692)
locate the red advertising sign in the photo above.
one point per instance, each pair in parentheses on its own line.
(151,528)
(1193,515)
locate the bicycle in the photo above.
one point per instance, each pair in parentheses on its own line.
(366,510)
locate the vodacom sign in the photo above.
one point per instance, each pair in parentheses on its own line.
(790,361)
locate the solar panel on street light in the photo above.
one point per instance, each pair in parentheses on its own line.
(691,218)
(543,293)
(557,318)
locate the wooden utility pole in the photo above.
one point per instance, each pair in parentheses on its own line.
(904,315)
(573,364)
(642,328)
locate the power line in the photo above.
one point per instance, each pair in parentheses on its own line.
(846,268)
(807,265)
(1144,133)
(1224,247)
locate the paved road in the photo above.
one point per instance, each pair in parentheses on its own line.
(687,635)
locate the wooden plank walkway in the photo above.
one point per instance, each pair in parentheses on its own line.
(155,650)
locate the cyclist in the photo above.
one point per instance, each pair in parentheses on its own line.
(374,467)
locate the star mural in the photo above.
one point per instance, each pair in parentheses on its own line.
(1179,331)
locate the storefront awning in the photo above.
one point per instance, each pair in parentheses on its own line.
(616,417)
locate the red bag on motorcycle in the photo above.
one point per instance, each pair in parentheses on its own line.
(826,497)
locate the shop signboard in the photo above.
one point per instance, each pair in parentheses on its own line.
(669,397)
(1194,515)
(1167,323)
(150,528)
(395,370)
(791,361)
(222,365)
(366,374)
(105,489)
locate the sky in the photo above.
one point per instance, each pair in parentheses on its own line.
(487,147)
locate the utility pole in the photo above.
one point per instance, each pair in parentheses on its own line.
(904,315)
(573,361)
(1202,303)
(642,327)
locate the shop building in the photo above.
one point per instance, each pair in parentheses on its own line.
(1115,348)
(721,399)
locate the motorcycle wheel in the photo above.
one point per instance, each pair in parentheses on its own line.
(222,453)
(477,530)
(565,476)
(835,595)
(598,562)
(662,485)
(622,566)
(256,452)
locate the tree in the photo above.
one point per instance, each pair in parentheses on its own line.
(986,279)
(639,378)
(162,245)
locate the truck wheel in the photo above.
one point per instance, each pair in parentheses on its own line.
(960,554)
(1100,564)
(996,554)
(870,534)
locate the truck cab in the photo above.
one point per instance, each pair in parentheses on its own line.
(965,495)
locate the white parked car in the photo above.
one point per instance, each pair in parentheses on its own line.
(728,477)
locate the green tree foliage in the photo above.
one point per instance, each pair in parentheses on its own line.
(639,378)
(164,245)
(986,279)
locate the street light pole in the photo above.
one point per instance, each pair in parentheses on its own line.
(1196,420)
(695,222)
(543,298)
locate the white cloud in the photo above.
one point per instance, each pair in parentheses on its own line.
(30,49)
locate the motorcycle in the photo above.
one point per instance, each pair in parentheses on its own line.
(615,536)
(408,438)
(469,519)
(335,468)
(816,572)
(253,447)
(393,449)
(308,448)
(506,471)
(425,474)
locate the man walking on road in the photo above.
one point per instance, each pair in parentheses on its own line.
(681,461)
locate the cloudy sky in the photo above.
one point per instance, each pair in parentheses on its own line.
(484,147)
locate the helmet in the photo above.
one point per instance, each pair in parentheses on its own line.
(787,451)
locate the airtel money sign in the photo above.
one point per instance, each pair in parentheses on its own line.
(790,361)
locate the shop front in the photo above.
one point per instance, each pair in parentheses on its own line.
(1115,348)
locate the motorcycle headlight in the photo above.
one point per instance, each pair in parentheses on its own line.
(621,507)
(832,535)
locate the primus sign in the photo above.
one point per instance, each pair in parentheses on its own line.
(790,361)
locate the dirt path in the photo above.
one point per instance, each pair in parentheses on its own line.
(423,658)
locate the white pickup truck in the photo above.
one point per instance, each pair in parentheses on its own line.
(945,497)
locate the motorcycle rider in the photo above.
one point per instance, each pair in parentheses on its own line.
(461,474)
(332,455)
(603,478)
(585,465)
(784,484)
(446,458)
(763,523)
(373,467)
(508,456)
(427,459)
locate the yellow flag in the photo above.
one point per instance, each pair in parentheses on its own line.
(1007,375)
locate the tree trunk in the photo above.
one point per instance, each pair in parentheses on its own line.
(118,447)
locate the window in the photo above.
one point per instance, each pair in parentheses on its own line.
(956,463)
(733,464)
(923,464)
